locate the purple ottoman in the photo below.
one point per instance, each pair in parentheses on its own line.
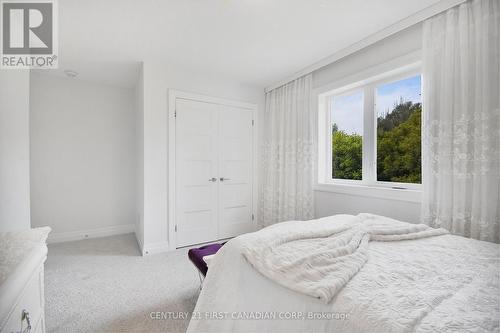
(196,256)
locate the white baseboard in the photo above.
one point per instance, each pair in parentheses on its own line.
(58,237)
(155,248)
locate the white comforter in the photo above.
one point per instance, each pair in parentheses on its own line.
(444,283)
(319,258)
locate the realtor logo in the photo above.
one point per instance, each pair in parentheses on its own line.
(29,34)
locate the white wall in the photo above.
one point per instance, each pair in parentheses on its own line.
(406,42)
(14,150)
(329,203)
(399,44)
(157,79)
(83,157)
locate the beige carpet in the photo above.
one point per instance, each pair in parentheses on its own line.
(104,285)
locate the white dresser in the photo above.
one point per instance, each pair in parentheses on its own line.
(21,290)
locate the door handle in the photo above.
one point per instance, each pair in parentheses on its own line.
(223,179)
(213,179)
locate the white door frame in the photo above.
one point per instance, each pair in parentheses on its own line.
(173,95)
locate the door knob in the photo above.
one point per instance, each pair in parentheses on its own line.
(223,179)
(213,179)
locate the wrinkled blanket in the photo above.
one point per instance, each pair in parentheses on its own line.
(319,257)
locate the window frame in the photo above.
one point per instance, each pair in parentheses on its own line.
(328,100)
(368,88)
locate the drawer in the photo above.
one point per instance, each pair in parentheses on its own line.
(31,301)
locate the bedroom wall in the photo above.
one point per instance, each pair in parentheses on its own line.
(14,150)
(327,200)
(158,77)
(83,162)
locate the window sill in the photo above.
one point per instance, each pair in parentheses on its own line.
(408,195)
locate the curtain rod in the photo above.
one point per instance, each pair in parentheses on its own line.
(407,22)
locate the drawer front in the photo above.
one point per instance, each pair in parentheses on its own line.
(31,302)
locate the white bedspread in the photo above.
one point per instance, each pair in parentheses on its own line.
(318,258)
(444,283)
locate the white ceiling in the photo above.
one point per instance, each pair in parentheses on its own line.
(255,42)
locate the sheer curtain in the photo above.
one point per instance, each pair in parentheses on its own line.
(287,177)
(461,120)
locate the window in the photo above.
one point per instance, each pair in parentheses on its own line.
(398,131)
(373,132)
(347,135)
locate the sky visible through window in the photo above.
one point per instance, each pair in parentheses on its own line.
(346,110)
(390,94)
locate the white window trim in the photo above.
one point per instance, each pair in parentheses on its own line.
(368,186)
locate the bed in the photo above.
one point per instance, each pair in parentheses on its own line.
(443,283)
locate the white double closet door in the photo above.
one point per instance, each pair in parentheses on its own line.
(214,171)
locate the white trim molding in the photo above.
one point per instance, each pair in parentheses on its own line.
(58,237)
(155,248)
(407,22)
